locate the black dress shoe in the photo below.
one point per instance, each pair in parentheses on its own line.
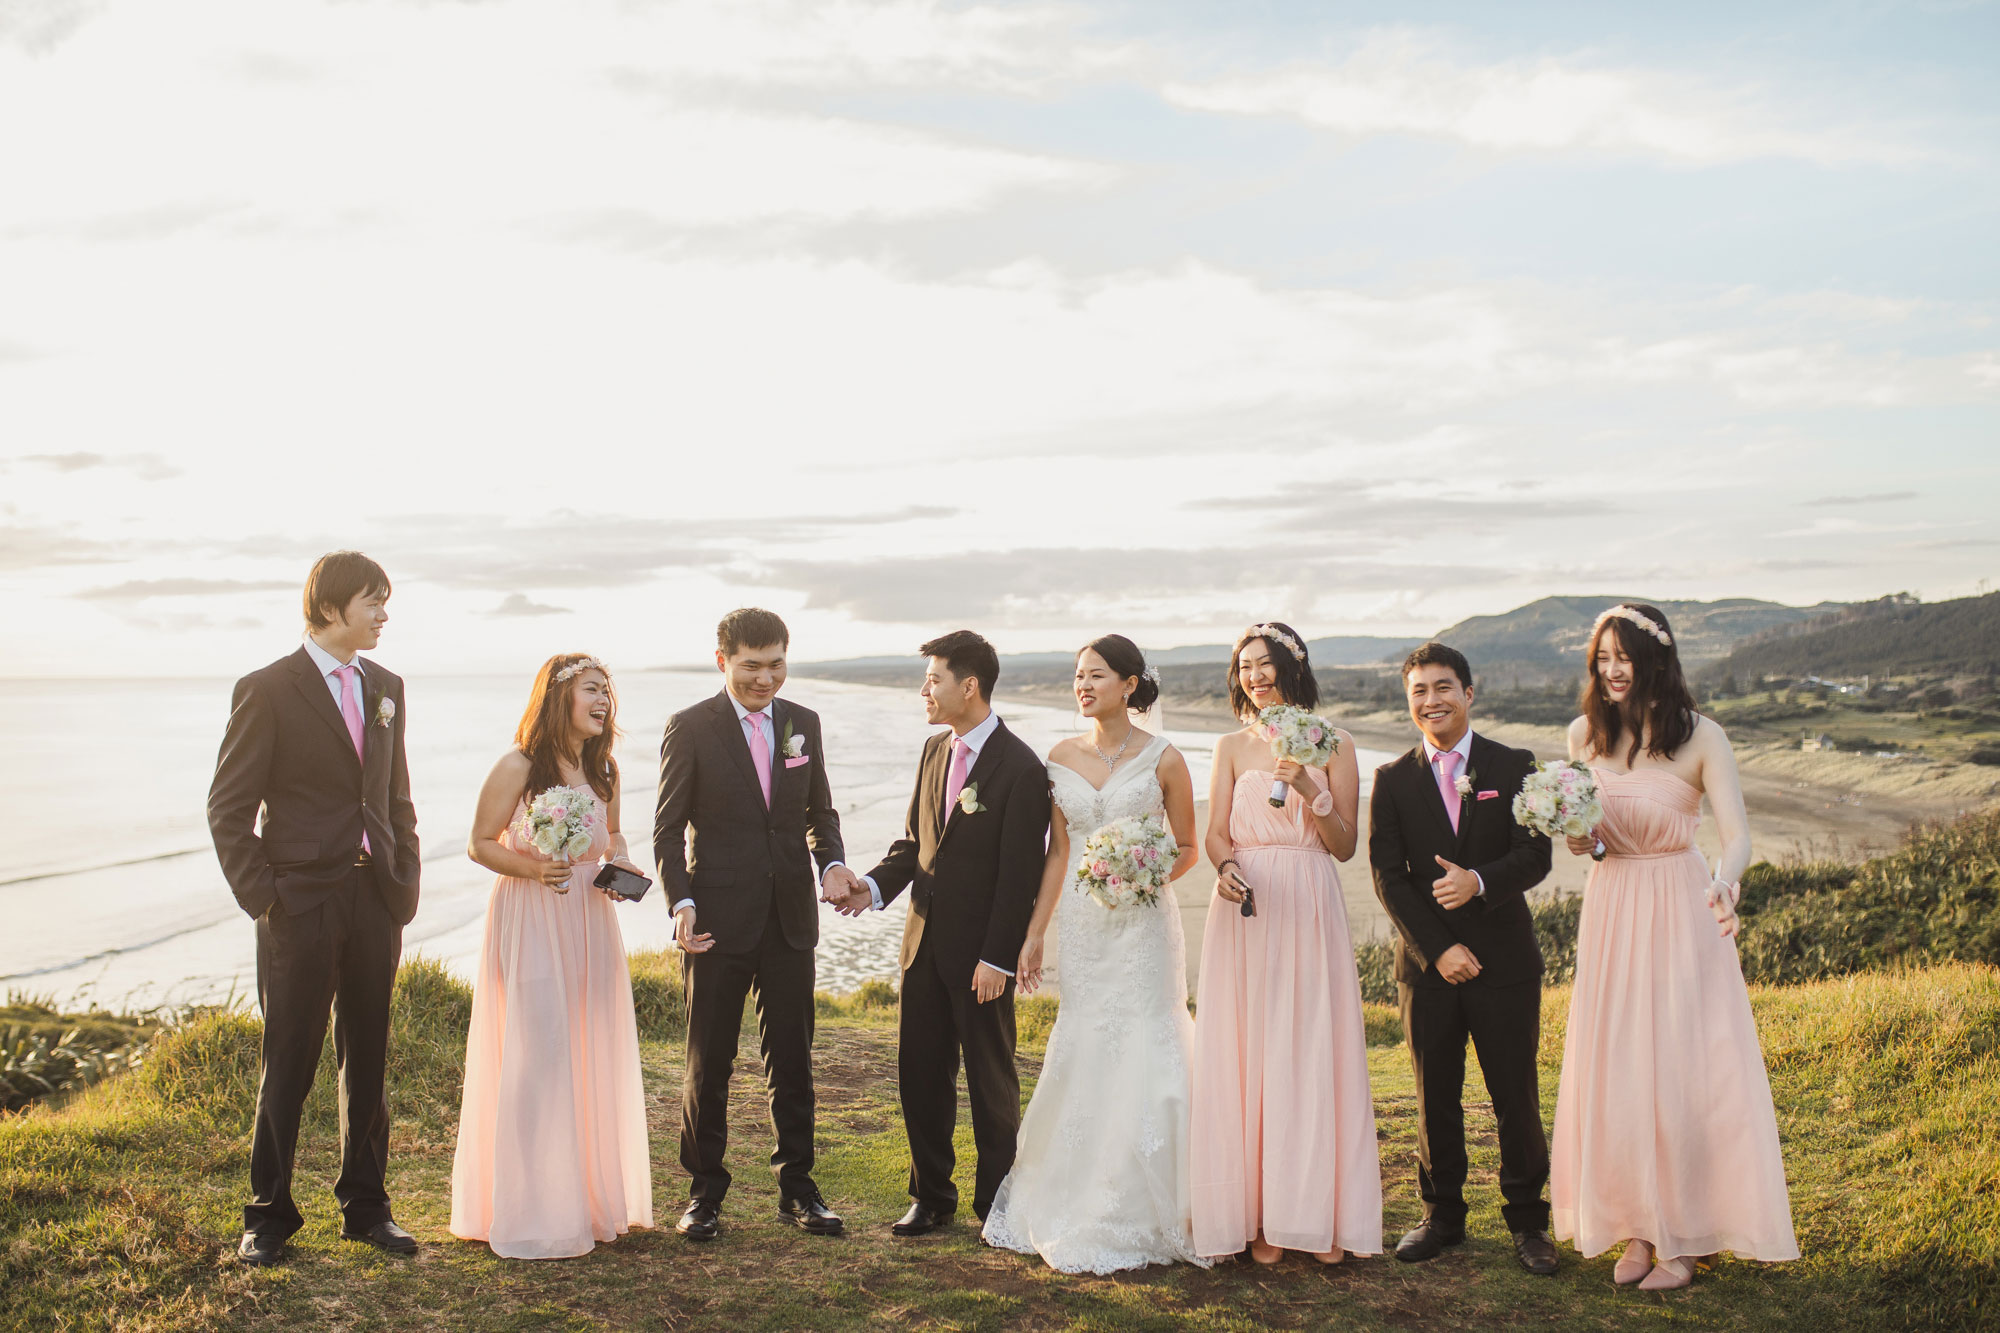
(257,1250)
(384,1236)
(1428,1239)
(810,1213)
(1536,1251)
(920,1219)
(699,1221)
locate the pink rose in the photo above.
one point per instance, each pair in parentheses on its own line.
(1115,881)
(1313,734)
(1100,869)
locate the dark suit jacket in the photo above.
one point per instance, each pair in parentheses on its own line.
(1408,826)
(717,844)
(287,753)
(972,878)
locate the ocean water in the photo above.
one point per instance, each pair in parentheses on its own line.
(112,894)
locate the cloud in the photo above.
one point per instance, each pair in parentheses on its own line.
(1057,585)
(1878,497)
(518,604)
(1400,81)
(31,548)
(149,467)
(39,26)
(142,590)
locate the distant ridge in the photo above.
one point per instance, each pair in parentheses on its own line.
(1894,636)
(1341,650)
(1549,636)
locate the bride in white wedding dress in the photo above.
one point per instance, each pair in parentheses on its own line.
(1100,1178)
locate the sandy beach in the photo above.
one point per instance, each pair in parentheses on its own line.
(1802,806)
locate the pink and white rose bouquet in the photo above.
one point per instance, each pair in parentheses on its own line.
(560,821)
(1559,800)
(1298,735)
(1127,862)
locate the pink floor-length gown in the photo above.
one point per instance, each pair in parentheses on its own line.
(1664,1126)
(552,1152)
(1283,1126)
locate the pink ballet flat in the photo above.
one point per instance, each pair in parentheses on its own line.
(1331,1257)
(1669,1275)
(1634,1265)
(1260,1247)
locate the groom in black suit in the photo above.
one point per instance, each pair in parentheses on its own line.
(744,811)
(1451,868)
(971,856)
(311,817)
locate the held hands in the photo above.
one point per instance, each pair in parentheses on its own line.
(1456,887)
(1722,900)
(987,982)
(1582,846)
(1028,972)
(684,933)
(845,891)
(1457,964)
(1230,884)
(554,873)
(1293,774)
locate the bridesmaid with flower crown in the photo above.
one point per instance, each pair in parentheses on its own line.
(1283,1127)
(1665,1134)
(552,1153)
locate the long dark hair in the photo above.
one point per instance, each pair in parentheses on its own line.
(1658,711)
(1295,674)
(545,737)
(1127,662)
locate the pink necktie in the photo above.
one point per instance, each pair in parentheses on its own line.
(350,709)
(954,782)
(1447,765)
(760,753)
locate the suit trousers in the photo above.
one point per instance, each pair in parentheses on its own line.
(340,956)
(939,1018)
(717,983)
(1504,1023)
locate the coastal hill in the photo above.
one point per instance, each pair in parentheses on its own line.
(1895,636)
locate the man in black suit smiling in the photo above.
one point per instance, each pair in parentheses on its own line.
(311,816)
(1451,868)
(744,811)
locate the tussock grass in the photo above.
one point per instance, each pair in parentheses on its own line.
(119,1208)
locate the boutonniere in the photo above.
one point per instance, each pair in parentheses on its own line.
(385,710)
(793,746)
(968,799)
(1464,785)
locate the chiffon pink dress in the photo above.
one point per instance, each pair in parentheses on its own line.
(1664,1126)
(1283,1125)
(552,1152)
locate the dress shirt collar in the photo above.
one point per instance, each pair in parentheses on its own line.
(975,740)
(326,661)
(1463,750)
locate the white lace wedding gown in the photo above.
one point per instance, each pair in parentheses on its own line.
(1100,1178)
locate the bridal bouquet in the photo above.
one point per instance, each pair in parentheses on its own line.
(1559,800)
(1302,737)
(560,822)
(1126,863)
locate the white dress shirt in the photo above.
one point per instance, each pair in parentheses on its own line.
(1464,752)
(770,743)
(975,741)
(328,664)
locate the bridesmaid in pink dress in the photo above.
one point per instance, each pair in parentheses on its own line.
(552,1153)
(1665,1134)
(1282,1132)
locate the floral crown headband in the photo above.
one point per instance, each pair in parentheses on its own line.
(1275,635)
(580,666)
(1638,618)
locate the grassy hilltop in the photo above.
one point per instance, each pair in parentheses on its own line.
(120,1207)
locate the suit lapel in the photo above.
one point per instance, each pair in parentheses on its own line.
(369,686)
(1431,798)
(736,741)
(305,675)
(1475,764)
(989,757)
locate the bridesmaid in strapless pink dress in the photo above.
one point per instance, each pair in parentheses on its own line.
(1665,1131)
(1283,1124)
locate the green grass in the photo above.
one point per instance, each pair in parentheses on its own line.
(118,1208)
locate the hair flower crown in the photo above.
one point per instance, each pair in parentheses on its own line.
(1276,635)
(1634,617)
(580,666)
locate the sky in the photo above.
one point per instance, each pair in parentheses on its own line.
(593,320)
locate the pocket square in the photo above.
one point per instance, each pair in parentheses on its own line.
(802,759)
(1487,795)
